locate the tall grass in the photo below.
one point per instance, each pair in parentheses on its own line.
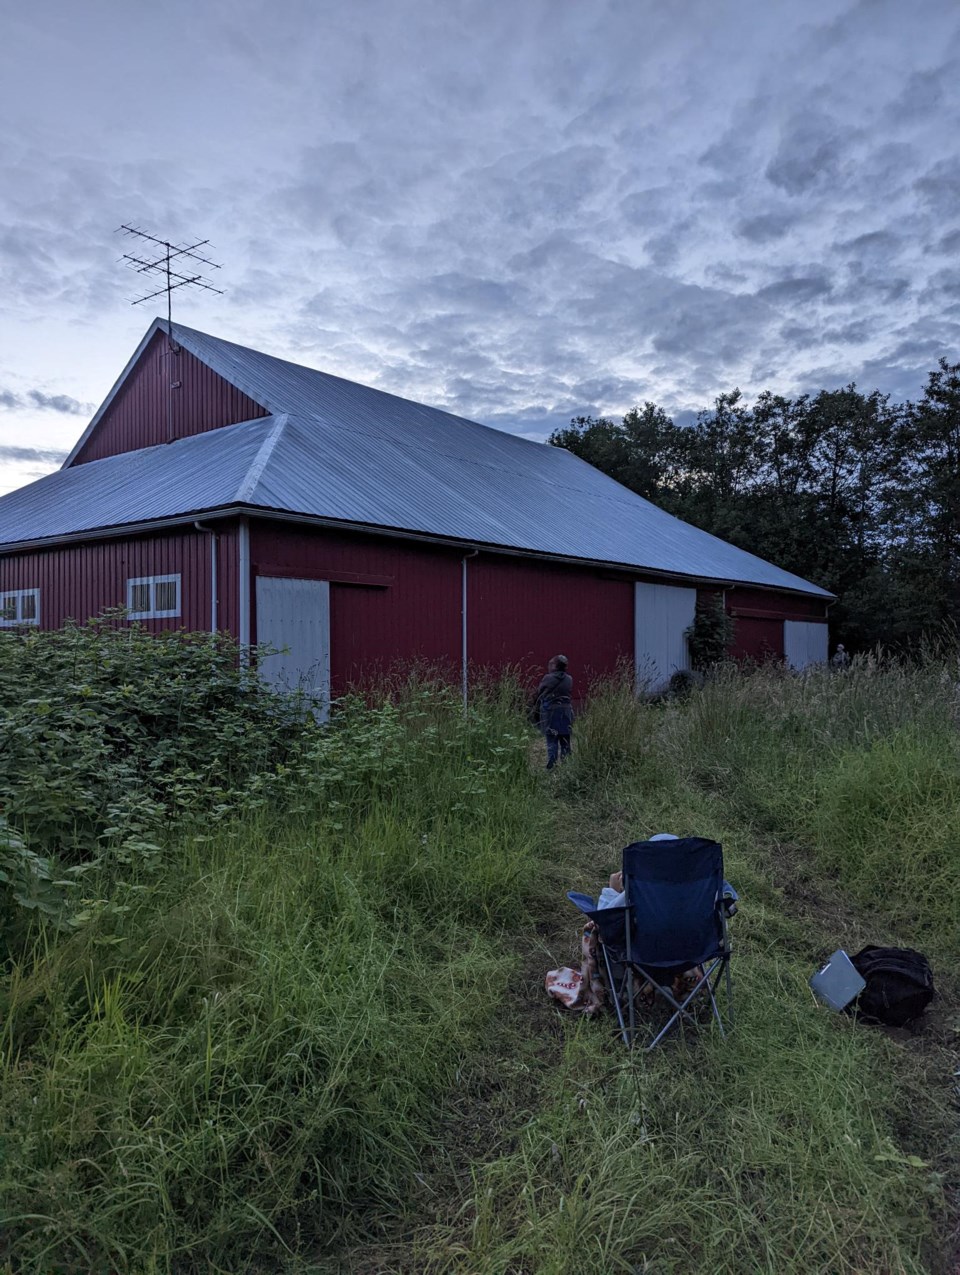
(241,1050)
(238,1056)
(863,767)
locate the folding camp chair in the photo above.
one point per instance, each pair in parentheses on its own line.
(674,919)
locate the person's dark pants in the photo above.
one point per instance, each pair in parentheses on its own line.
(558,747)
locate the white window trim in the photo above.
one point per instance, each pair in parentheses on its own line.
(152,613)
(20,594)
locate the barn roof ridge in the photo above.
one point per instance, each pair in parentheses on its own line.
(220,354)
(262,459)
(255,390)
(413,443)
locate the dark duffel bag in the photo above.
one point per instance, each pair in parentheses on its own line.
(899,985)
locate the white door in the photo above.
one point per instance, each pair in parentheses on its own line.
(293,617)
(804,643)
(662,612)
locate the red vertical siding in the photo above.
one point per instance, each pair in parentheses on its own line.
(82,580)
(412,613)
(522,612)
(138,416)
(758,619)
(392,601)
(755,639)
(519,613)
(785,605)
(228,563)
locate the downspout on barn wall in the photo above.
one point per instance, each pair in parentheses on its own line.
(463,623)
(243,556)
(214,581)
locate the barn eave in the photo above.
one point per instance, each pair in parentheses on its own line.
(234,511)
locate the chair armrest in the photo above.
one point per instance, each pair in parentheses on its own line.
(582,901)
(728,899)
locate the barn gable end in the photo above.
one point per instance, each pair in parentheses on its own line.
(163,395)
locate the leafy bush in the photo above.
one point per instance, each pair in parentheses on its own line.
(29,881)
(107,732)
(710,636)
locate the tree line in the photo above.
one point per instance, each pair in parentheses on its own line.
(854,492)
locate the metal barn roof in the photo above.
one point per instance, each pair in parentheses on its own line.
(344,452)
(200,473)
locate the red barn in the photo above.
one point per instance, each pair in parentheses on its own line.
(221,488)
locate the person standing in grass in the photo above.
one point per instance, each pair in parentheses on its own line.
(554,706)
(841,658)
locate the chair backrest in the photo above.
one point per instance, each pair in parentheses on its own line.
(673,888)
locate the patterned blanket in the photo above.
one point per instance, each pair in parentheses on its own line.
(581,991)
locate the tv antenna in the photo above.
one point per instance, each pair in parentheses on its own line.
(159,259)
(152,265)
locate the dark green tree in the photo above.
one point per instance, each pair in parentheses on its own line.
(796,481)
(922,499)
(637,451)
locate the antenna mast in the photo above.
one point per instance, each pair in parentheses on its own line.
(153,265)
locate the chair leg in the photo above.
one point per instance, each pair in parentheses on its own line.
(615,997)
(726,963)
(723,972)
(677,1017)
(729,992)
(631,1006)
(713,1002)
(681,1013)
(660,1034)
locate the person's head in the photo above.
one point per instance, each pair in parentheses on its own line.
(840,646)
(663,836)
(558,664)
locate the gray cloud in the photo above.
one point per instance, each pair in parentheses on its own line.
(939,187)
(878,243)
(926,92)
(855,333)
(516,212)
(866,286)
(809,155)
(31,455)
(799,288)
(59,403)
(766,228)
(949,244)
(62,403)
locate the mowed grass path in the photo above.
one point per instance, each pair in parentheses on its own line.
(803,1143)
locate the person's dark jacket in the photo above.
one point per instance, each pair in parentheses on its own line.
(556,705)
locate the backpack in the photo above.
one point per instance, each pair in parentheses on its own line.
(535,705)
(899,985)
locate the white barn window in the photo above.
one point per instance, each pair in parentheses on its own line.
(153,597)
(19,606)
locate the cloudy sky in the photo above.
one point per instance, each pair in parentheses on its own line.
(517,209)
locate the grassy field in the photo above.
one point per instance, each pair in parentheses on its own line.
(302,1027)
